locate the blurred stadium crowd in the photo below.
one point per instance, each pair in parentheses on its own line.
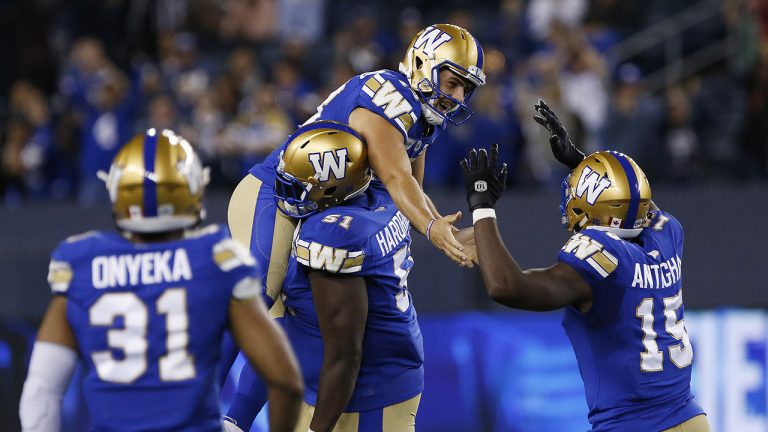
(235,77)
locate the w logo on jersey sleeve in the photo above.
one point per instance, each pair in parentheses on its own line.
(591,183)
(329,162)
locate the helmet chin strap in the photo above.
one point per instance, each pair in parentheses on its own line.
(431,115)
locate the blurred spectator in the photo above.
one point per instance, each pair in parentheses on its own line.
(301,20)
(682,144)
(108,115)
(261,126)
(543,13)
(236,77)
(252,21)
(583,78)
(634,122)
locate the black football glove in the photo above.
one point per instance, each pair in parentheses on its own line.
(560,142)
(483,178)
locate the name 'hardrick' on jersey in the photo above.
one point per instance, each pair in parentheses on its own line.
(393,233)
(145,268)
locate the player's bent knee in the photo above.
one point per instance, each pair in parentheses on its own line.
(242,208)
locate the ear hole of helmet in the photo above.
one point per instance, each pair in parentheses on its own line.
(330,191)
(577,211)
(419,62)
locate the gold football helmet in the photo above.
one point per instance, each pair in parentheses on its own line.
(324,164)
(434,48)
(606,191)
(156,183)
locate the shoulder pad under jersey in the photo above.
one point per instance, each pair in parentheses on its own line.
(592,253)
(332,241)
(387,93)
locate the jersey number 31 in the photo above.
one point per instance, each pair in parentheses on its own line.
(177,365)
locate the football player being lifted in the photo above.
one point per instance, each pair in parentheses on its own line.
(350,316)
(143,309)
(618,279)
(399,114)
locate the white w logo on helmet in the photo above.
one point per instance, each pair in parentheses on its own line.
(327,162)
(591,183)
(431,39)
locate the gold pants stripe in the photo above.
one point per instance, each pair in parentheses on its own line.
(693,424)
(400,417)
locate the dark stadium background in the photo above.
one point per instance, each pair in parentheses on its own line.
(682,86)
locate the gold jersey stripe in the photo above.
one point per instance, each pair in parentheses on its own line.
(373,84)
(605,261)
(407,121)
(302,252)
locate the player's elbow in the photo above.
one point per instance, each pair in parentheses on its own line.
(289,382)
(350,354)
(504,292)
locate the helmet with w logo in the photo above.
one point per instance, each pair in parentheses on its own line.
(437,47)
(324,164)
(156,183)
(606,191)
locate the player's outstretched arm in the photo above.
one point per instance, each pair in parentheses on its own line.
(391,165)
(50,370)
(505,282)
(267,348)
(341,303)
(562,147)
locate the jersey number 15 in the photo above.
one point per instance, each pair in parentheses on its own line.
(681,354)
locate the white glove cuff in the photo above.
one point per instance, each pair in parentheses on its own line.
(483,213)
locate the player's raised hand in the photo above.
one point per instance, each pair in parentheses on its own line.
(484,179)
(562,146)
(440,233)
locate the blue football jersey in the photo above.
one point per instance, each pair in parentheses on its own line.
(383,92)
(370,238)
(148,320)
(632,347)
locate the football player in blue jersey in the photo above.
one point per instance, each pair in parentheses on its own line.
(618,278)
(143,310)
(399,114)
(351,319)
(349,313)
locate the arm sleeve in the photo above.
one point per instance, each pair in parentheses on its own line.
(50,371)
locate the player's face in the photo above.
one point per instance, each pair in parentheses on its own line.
(453,86)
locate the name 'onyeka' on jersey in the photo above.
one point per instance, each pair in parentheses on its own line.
(148,320)
(632,347)
(383,92)
(370,238)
